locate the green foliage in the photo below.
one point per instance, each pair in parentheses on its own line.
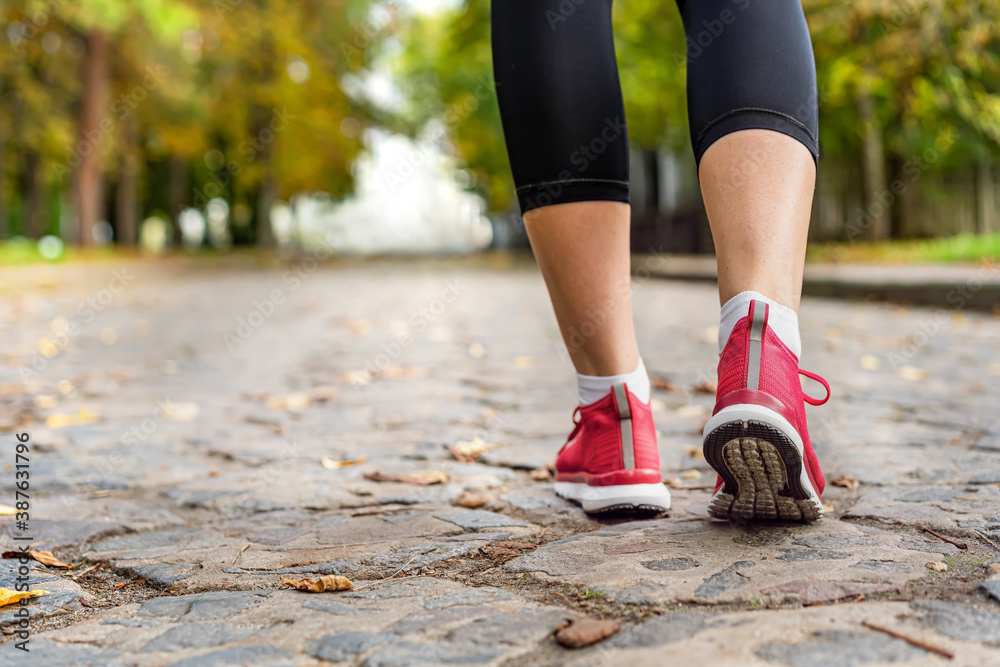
(931,66)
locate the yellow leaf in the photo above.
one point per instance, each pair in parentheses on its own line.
(690,474)
(7,510)
(333,464)
(59,420)
(468,451)
(330,582)
(8,596)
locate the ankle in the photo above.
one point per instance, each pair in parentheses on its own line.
(592,388)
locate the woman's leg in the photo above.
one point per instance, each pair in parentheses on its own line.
(564,124)
(753,114)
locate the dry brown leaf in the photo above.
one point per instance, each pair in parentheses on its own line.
(473,500)
(691,474)
(937,566)
(333,464)
(43,557)
(511,544)
(469,451)
(662,383)
(845,482)
(580,632)
(541,474)
(329,582)
(695,452)
(705,387)
(8,596)
(424,477)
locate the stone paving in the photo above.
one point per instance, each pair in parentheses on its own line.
(188,439)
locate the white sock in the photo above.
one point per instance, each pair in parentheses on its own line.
(782,320)
(592,388)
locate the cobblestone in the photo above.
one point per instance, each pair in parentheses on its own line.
(234,488)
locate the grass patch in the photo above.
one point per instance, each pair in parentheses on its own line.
(952,249)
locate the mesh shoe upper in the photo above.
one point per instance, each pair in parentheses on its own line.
(778,381)
(614,442)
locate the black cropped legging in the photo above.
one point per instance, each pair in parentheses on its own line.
(750,65)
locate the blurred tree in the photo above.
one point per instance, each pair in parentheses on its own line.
(905,88)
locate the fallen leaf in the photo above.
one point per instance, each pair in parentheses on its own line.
(7,510)
(473,500)
(695,452)
(8,596)
(358,378)
(691,474)
(580,632)
(324,392)
(291,402)
(45,401)
(59,420)
(912,374)
(329,582)
(662,383)
(828,508)
(937,566)
(870,362)
(333,464)
(512,544)
(541,474)
(43,557)
(469,451)
(845,482)
(403,372)
(424,478)
(524,362)
(180,412)
(705,387)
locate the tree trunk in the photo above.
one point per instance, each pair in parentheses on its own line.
(4,206)
(265,200)
(88,199)
(177,190)
(128,183)
(32,196)
(985,198)
(876,220)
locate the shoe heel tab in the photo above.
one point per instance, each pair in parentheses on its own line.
(758,319)
(619,392)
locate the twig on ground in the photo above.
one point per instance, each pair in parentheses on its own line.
(239,555)
(991,542)
(919,643)
(960,545)
(84,571)
(389,577)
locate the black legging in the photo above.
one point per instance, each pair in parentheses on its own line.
(750,65)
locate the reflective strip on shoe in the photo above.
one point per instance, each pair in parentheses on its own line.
(625,425)
(758,314)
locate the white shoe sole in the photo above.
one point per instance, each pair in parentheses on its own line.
(760,458)
(620,498)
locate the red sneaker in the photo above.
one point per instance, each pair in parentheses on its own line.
(757,439)
(610,463)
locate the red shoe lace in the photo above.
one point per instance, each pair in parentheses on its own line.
(809,399)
